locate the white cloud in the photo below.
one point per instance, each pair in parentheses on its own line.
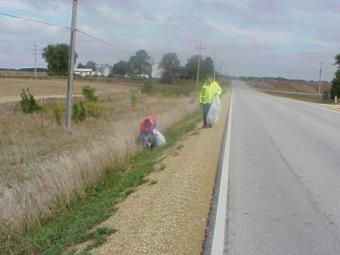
(260,36)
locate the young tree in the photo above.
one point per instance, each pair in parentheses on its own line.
(139,64)
(120,68)
(335,90)
(170,66)
(56,56)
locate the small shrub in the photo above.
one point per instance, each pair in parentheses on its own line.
(147,87)
(333,92)
(79,112)
(133,98)
(92,109)
(89,94)
(28,103)
(325,95)
(58,110)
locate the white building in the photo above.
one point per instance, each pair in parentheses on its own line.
(103,70)
(84,72)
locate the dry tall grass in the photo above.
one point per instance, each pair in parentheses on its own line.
(42,165)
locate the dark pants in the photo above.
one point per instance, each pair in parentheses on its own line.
(205,110)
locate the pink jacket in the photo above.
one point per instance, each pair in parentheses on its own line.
(147,129)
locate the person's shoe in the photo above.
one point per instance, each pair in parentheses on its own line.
(209,126)
(204,126)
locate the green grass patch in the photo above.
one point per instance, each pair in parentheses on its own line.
(74,223)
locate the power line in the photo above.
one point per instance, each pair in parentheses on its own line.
(104,42)
(68,28)
(33,20)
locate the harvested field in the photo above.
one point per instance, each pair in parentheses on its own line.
(13,73)
(290,86)
(56,88)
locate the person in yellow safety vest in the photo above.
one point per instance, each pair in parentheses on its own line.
(209,90)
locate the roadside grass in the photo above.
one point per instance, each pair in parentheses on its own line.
(73,224)
(307,98)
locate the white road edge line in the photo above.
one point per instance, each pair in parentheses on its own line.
(221,212)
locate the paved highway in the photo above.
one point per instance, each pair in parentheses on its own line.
(284,177)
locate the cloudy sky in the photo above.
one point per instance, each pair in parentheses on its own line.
(248,37)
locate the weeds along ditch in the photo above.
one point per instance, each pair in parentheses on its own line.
(76,223)
(43,166)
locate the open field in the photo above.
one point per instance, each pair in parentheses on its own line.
(56,88)
(13,73)
(316,98)
(290,86)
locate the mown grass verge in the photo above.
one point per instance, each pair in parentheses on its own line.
(74,224)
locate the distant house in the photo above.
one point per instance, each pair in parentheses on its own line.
(104,70)
(84,72)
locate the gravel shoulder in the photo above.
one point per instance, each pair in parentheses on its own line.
(168,215)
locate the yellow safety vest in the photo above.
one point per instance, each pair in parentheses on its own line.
(209,91)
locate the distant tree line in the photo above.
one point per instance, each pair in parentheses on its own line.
(138,65)
(268,78)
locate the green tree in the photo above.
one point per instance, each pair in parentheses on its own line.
(57,56)
(92,65)
(337,60)
(80,65)
(335,89)
(206,67)
(120,68)
(191,67)
(170,65)
(140,65)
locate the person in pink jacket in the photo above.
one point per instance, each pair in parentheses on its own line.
(146,130)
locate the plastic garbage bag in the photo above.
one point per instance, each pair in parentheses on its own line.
(159,138)
(214,111)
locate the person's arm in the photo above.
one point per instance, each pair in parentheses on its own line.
(201,96)
(218,90)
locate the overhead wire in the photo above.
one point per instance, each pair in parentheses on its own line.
(33,20)
(68,28)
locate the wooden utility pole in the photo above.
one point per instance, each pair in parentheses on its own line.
(320,73)
(68,115)
(199,48)
(35,60)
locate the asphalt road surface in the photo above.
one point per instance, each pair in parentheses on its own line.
(284,177)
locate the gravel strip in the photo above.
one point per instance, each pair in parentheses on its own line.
(170,216)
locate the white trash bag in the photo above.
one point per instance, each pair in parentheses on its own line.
(214,111)
(159,138)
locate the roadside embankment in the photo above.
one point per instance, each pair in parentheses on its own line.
(170,216)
